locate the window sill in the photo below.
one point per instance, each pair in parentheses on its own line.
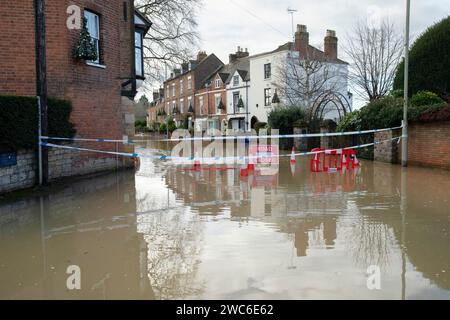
(96,65)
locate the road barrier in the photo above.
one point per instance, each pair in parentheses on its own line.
(207,159)
(233,137)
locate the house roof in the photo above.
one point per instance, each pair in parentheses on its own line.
(204,69)
(227,71)
(289,46)
(140,20)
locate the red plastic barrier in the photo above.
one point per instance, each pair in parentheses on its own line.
(337,159)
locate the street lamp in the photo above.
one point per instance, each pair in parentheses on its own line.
(405,90)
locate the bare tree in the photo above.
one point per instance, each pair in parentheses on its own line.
(173,37)
(301,81)
(375,52)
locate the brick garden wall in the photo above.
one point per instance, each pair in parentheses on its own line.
(62,163)
(429,144)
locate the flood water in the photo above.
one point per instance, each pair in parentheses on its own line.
(168,233)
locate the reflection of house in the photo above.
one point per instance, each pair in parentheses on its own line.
(102,242)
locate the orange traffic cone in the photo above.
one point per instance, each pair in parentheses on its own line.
(293,160)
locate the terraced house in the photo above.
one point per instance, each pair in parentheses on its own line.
(214,96)
(181,87)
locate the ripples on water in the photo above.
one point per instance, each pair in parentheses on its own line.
(169,233)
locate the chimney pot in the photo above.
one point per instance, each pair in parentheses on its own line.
(301,43)
(331,45)
(302,28)
(331,33)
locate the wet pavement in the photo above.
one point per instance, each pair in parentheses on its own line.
(169,233)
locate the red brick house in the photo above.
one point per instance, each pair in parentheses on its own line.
(101,91)
(181,87)
(213,95)
(153,112)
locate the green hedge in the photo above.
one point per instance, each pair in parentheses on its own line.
(19,121)
(429,67)
(388,112)
(285,118)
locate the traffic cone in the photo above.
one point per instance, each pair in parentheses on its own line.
(356,163)
(197,165)
(293,160)
(244,171)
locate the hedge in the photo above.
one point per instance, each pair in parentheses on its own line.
(429,67)
(19,121)
(388,112)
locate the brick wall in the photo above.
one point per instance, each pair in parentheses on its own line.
(429,144)
(20,176)
(17,66)
(99,110)
(387,151)
(62,163)
(177,82)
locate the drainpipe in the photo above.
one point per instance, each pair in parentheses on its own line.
(246,105)
(133,52)
(41,86)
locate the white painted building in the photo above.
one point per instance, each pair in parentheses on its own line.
(238,89)
(266,71)
(263,70)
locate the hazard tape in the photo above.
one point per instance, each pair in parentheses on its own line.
(238,137)
(211,159)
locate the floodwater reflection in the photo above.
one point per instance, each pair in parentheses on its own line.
(174,233)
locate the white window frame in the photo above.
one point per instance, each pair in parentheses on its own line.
(182,106)
(269,65)
(181,87)
(173,89)
(189,83)
(168,91)
(218,98)
(139,53)
(189,103)
(89,15)
(217,83)
(267,98)
(201,104)
(236,81)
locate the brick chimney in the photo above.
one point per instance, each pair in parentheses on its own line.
(331,45)
(240,53)
(201,56)
(301,43)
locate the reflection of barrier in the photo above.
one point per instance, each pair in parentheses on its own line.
(332,160)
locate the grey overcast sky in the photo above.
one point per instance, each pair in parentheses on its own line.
(262,25)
